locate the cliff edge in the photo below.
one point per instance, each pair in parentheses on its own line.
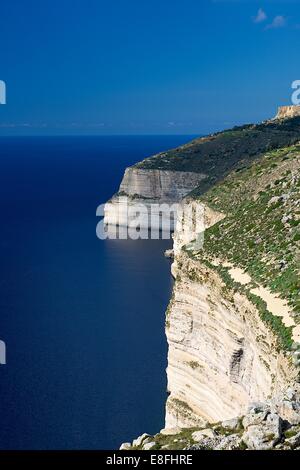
(233,322)
(287,112)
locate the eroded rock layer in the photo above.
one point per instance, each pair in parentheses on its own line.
(221,354)
(144,190)
(237,235)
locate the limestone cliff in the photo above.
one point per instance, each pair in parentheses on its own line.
(233,322)
(231,340)
(222,356)
(158,184)
(273,424)
(192,220)
(148,188)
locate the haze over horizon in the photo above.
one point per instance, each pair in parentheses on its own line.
(145,67)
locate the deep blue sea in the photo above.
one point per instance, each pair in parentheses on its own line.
(82,319)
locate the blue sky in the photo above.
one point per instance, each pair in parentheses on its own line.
(145,67)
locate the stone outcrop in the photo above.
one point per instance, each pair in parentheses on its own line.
(227,362)
(144,190)
(287,112)
(221,354)
(264,426)
(192,220)
(158,184)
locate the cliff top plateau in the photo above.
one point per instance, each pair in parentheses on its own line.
(217,154)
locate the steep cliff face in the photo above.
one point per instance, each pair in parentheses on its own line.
(169,176)
(143,190)
(232,339)
(233,322)
(273,424)
(159,184)
(193,217)
(221,354)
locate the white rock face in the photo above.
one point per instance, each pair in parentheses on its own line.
(139,440)
(149,445)
(262,428)
(130,212)
(198,435)
(193,218)
(285,112)
(221,355)
(230,423)
(170,431)
(159,184)
(143,191)
(125,446)
(265,435)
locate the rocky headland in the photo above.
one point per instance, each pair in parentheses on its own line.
(233,322)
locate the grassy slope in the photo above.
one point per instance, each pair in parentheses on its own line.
(216,155)
(260,232)
(246,167)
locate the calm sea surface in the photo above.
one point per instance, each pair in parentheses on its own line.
(82,319)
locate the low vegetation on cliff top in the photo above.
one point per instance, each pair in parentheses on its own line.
(253,177)
(260,232)
(216,155)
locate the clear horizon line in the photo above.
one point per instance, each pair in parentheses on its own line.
(99,135)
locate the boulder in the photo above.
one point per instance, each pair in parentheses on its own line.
(139,440)
(125,446)
(294,441)
(170,431)
(207,443)
(231,423)
(289,411)
(149,445)
(232,442)
(257,414)
(199,435)
(264,435)
(169,254)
